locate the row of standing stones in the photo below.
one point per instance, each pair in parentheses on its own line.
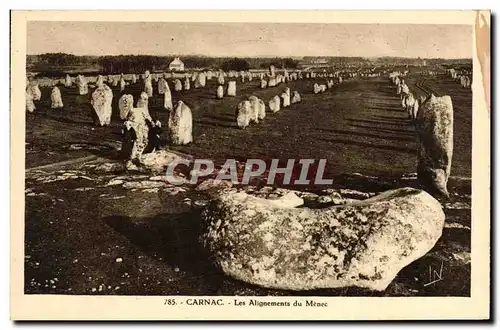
(283,244)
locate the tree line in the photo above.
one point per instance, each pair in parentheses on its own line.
(140,63)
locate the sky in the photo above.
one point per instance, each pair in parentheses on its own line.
(250,39)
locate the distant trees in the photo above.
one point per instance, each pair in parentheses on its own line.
(287,63)
(236,64)
(140,63)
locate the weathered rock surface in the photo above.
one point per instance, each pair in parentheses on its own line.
(231,88)
(125,104)
(274,104)
(435,129)
(220,92)
(158,160)
(102,99)
(180,124)
(243,114)
(275,244)
(56,99)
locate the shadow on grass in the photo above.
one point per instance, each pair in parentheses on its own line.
(385,129)
(368,135)
(371,145)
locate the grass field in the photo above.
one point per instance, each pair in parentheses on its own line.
(76,234)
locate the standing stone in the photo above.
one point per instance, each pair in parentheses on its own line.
(35,90)
(180,124)
(409,101)
(136,133)
(56,98)
(405,90)
(414,111)
(220,79)
(102,99)
(296,97)
(285,99)
(276,244)
(100,81)
(272,82)
(148,84)
(263,84)
(316,89)
(435,129)
(210,75)
(243,114)
(231,88)
(116,81)
(30,105)
(134,78)
(255,108)
(143,101)
(220,92)
(187,85)
(81,83)
(250,78)
(262,110)
(177,85)
(272,71)
(123,83)
(200,81)
(125,104)
(274,104)
(161,86)
(167,98)
(322,88)
(67,81)
(194,77)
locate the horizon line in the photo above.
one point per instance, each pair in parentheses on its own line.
(266,56)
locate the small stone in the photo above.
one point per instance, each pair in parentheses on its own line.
(119,259)
(200,203)
(94,289)
(114,182)
(176,269)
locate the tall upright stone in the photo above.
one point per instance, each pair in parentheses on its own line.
(180,124)
(56,99)
(102,99)
(231,88)
(435,129)
(220,92)
(125,105)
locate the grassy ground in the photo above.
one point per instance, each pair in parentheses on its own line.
(76,229)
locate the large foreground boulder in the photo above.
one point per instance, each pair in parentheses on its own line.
(434,126)
(275,244)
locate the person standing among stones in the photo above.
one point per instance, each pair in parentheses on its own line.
(136,133)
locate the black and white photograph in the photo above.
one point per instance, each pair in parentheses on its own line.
(240,164)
